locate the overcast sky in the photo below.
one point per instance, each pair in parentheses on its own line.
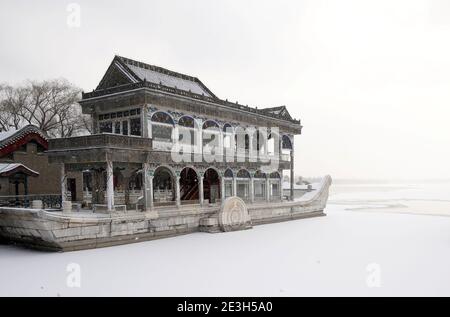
(370,80)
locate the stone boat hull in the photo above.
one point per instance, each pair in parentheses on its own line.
(57,231)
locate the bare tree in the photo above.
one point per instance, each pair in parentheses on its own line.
(12,103)
(50,105)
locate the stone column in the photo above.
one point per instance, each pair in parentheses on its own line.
(281,189)
(222,188)
(148,187)
(25,188)
(201,193)
(86,189)
(144,115)
(268,189)
(109,185)
(63,183)
(198,145)
(266,143)
(177,191)
(176,135)
(16,186)
(252,190)
(150,182)
(292,172)
(250,146)
(234,186)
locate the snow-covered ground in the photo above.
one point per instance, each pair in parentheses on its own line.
(369,244)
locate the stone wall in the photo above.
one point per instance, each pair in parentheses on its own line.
(48,181)
(75,231)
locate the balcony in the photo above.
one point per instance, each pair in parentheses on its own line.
(99,148)
(118,148)
(100,141)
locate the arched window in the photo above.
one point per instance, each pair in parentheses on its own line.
(227,135)
(189,189)
(211,185)
(260,185)
(211,124)
(187,122)
(242,140)
(163,186)
(186,130)
(229,173)
(273,143)
(259,174)
(286,143)
(227,128)
(243,184)
(261,140)
(243,174)
(211,133)
(162,126)
(275,175)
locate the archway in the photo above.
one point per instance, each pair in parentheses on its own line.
(227,135)
(286,143)
(259,185)
(162,126)
(243,184)
(275,188)
(189,189)
(241,139)
(211,135)
(163,185)
(211,185)
(274,144)
(186,130)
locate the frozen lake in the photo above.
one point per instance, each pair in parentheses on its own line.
(424,198)
(391,239)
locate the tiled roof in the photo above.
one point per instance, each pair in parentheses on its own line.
(278,111)
(166,77)
(11,168)
(136,74)
(13,135)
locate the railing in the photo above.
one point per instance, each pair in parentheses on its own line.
(161,195)
(104,140)
(239,156)
(138,143)
(49,201)
(119,196)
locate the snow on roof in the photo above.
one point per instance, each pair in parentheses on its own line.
(158,75)
(8,167)
(6,134)
(125,71)
(13,135)
(168,80)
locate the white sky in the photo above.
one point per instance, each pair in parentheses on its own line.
(369,79)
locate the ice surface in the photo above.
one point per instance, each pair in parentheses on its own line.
(320,256)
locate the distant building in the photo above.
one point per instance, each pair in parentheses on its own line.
(24,168)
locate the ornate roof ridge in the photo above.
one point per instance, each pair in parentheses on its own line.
(126,87)
(20,133)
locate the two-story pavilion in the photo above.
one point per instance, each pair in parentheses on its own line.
(140,111)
